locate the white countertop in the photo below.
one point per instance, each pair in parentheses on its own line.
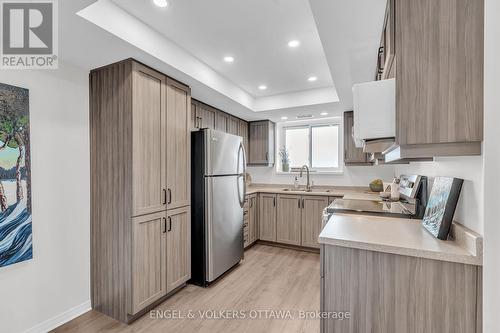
(392,235)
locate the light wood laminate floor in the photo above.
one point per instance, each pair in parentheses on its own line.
(270,278)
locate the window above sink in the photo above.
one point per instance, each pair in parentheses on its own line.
(316,144)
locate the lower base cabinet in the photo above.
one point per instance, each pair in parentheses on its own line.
(392,293)
(161,255)
(149,260)
(299,219)
(178,247)
(267,217)
(289,219)
(312,218)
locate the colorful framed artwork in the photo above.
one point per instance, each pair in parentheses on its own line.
(16,243)
(441,206)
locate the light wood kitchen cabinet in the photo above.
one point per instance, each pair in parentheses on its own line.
(140,149)
(233,125)
(178,145)
(178,230)
(352,154)
(149,260)
(261,141)
(204,116)
(243,132)
(312,216)
(395,293)
(149,123)
(253,218)
(289,221)
(439,78)
(267,217)
(221,120)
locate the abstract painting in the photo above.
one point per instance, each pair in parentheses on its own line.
(441,206)
(15,182)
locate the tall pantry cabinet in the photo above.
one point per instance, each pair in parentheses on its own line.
(140,188)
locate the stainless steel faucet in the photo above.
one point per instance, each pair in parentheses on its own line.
(308,185)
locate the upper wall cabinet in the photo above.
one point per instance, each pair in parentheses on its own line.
(439,77)
(243,132)
(352,154)
(261,143)
(203,116)
(233,125)
(221,120)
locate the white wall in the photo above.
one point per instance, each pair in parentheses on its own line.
(41,292)
(352,176)
(491,271)
(470,206)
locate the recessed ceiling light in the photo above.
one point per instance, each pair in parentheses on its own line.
(284,118)
(161,3)
(293,43)
(312,79)
(324,113)
(262,87)
(229,59)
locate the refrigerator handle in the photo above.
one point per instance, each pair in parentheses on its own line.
(241,198)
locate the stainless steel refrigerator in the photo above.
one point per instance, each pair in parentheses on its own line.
(218,165)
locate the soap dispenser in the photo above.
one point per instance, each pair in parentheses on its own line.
(296,183)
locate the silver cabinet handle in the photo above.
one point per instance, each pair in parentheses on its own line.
(164,196)
(169,196)
(299,202)
(169,224)
(164,225)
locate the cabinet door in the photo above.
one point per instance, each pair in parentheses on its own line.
(258,142)
(195,121)
(221,121)
(178,145)
(267,217)
(253,219)
(352,154)
(149,140)
(233,125)
(243,132)
(312,214)
(206,116)
(178,247)
(288,224)
(149,272)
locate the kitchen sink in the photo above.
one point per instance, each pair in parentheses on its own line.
(314,190)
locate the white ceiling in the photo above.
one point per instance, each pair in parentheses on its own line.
(255,33)
(349,31)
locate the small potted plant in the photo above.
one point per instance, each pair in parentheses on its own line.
(285,159)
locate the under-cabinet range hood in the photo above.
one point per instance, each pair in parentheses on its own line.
(374,111)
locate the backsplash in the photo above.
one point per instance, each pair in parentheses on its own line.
(470,206)
(352,176)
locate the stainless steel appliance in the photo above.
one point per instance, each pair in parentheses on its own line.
(414,197)
(218,196)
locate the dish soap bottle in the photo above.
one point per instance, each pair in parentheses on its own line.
(395,189)
(296,183)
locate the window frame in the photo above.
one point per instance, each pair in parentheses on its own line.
(283,127)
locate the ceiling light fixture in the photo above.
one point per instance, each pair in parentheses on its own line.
(294,43)
(312,79)
(284,118)
(262,87)
(324,113)
(161,3)
(229,59)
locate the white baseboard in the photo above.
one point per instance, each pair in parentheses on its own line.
(60,319)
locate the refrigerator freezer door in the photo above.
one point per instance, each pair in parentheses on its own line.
(222,152)
(224,237)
